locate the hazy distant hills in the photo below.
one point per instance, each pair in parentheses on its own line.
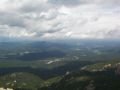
(82,50)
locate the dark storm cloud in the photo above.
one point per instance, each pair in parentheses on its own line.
(11,20)
(33,7)
(115,33)
(55,29)
(80,2)
(65,2)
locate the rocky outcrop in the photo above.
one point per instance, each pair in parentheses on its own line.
(117,71)
(6,89)
(90,86)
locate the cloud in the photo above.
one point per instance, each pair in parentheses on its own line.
(81,2)
(55,19)
(37,6)
(65,2)
(11,19)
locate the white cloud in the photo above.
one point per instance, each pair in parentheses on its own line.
(55,19)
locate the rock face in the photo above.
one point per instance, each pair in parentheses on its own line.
(90,86)
(6,89)
(117,72)
(107,66)
(67,73)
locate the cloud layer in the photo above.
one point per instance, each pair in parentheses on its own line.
(59,19)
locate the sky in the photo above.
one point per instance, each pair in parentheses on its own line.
(59,19)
